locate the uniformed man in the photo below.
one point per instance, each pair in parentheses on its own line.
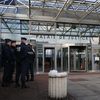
(1,54)
(7,61)
(24,61)
(31,57)
(13,48)
(18,66)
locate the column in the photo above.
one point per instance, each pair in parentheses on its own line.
(68,59)
(86,60)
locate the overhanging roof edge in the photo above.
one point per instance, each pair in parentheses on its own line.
(50,19)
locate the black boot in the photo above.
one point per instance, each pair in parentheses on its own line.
(27,78)
(24,86)
(4,85)
(32,78)
(17,85)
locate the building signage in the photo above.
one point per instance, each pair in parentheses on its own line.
(61,39)
(49,38)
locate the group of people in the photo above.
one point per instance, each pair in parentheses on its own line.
(18,59)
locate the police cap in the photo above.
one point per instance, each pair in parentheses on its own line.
(13,41)
(23,38)
(7,40)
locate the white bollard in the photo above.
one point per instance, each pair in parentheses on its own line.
(57,86)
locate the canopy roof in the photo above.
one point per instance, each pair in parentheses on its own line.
(64,17)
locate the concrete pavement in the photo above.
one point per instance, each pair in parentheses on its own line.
(84,86)
(81,86)
(38,90)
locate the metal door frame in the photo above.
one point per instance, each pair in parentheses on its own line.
(86,63)
(55,65)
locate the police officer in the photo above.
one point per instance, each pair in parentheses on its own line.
(1,50)
(7,61)
(31,57)
(13,49)
(24,61)
(18,66)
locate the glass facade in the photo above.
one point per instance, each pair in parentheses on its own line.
(71,58)
(78,58)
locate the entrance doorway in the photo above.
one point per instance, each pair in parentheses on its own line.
(69,57)
(49,58)
(77,58)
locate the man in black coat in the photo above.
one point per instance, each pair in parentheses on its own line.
(31,57)
(13,49)
(18,66)
(24,61)
(1,50)
(7,61)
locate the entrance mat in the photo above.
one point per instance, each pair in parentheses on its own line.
(78,79)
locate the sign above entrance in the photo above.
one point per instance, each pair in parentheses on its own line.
(61,39)
(49,38)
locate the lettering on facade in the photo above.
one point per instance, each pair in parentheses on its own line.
(61,37)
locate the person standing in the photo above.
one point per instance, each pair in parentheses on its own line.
(24,61)
(7,61)
(13,49)
(31,57)
(18,66)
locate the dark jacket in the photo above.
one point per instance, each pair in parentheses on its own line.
(1,54)
(13,49)
(23,52)
(18,48)
(31,55)
(7,54)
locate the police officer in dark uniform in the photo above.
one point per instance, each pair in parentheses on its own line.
(18,66)
(13,48)
(7,61)
(31,57)
(1,52)
(24,61)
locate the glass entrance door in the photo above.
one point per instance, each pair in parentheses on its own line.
(49,59)
(77,58)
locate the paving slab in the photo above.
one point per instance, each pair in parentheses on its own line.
(84,90)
